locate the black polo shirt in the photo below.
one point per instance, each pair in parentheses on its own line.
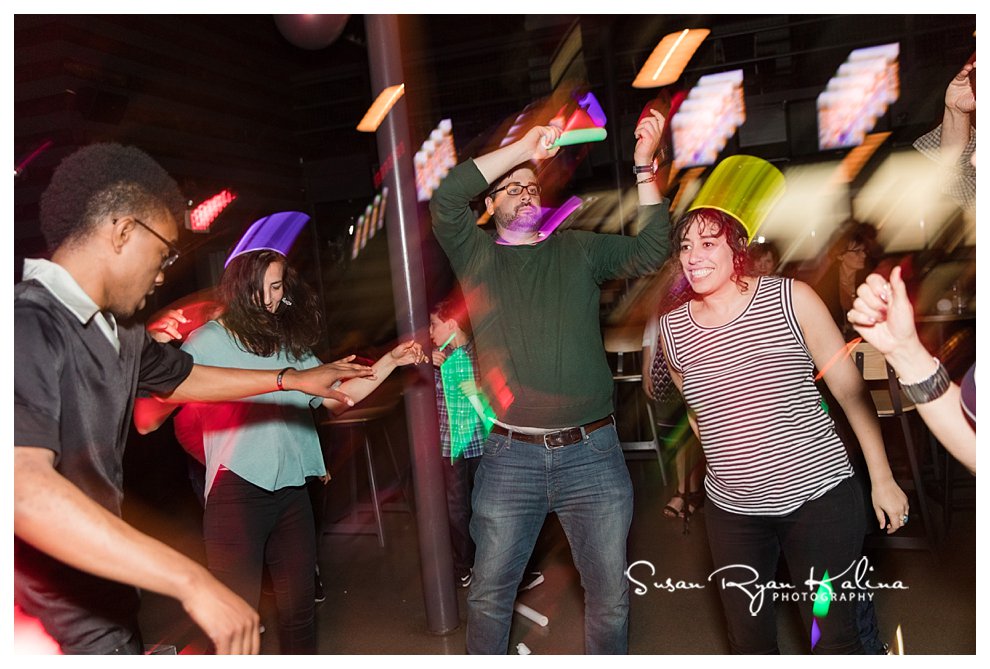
(74,394)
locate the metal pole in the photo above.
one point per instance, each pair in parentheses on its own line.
(412,318)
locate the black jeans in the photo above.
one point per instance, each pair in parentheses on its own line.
(245,528)
(822,534)
(459,479)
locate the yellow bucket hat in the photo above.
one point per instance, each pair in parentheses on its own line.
(744,187)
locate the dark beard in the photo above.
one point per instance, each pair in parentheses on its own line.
(525,221)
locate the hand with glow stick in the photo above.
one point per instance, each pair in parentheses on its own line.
(580,136)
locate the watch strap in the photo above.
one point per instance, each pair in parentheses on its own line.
(930,389)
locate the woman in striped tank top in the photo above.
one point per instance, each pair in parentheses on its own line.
(743,352)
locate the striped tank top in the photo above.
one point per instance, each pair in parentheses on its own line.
(770,444)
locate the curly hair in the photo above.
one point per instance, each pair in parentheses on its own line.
(718,223)
(101,180)
(294,327)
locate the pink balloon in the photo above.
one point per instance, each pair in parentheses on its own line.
(311,31)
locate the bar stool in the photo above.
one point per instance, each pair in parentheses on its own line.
(359,424)
(626,342)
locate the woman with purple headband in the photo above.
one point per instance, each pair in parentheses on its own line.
(261,451)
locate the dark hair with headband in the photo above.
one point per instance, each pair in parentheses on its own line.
(296,325)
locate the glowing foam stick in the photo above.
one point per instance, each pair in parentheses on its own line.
(558,216)
(535,616)
(580,136)
(449,339)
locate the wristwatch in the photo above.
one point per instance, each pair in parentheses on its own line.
(929,389)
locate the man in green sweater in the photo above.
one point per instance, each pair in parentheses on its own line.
(534,301)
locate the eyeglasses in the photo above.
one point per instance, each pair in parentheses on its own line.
(515,189)
(173,251)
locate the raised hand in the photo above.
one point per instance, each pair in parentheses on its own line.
(648,132)
(882,313)
(538,142)
(959,95)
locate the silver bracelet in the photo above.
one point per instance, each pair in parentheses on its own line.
(930,389)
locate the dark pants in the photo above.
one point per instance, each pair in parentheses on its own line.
(246,528)
(459,479)
(822,534)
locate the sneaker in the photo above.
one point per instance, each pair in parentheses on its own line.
(319,595)
(465,581)
(531,580)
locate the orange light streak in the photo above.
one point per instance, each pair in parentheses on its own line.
(380,108)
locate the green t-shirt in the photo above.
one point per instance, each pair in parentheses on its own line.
(269,440)
(535,309)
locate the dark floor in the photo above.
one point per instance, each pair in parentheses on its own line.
(375,604)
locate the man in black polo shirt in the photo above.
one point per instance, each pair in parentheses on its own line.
(109,217)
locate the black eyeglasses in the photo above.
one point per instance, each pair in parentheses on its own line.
(173,251)
(515,189)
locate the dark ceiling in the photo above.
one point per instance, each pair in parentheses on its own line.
(227,101)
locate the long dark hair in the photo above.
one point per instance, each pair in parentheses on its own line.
(295,327)
(723,224)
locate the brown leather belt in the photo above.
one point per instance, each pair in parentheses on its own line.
(571,435)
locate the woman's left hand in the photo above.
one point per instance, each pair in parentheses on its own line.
(890,502)
(409,353)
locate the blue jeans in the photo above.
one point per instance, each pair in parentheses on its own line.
(587,485)
(824,533)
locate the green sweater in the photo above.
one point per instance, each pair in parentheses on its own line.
(535,309)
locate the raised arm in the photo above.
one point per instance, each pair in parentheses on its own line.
(882,314)
(534,145)
(54,516)
(960,104)
(824,342)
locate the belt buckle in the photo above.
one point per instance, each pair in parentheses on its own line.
(559,435)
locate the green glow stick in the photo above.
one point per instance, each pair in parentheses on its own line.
(449,339)
(580,137)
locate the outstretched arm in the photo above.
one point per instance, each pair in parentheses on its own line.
(882,314)
(409,353)
(54,516)
(220,384)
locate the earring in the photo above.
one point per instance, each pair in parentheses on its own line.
(286,301)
